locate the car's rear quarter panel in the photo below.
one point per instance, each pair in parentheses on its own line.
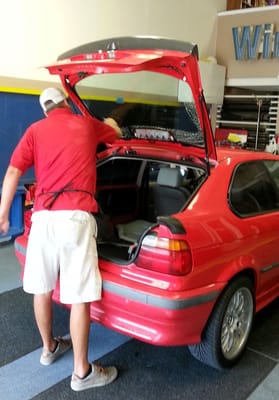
(225,244)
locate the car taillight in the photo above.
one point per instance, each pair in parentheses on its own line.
(168,256)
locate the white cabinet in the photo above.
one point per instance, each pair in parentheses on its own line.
(213,81)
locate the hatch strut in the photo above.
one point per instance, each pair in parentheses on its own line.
(202,103)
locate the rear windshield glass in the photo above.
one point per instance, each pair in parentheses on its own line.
(145,104)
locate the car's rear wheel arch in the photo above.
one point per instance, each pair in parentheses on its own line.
(210,350)
(249,273)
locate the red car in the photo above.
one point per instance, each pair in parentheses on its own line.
(188,236)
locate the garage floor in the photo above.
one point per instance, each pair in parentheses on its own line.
(145,372)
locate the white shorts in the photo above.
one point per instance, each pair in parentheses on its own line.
(63,244)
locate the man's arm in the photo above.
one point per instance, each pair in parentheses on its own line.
(9,186)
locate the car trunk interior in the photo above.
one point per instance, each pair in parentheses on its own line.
(132,194)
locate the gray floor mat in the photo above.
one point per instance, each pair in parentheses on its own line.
(18,331)
(148,372)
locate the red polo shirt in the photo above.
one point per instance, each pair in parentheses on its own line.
(62,148)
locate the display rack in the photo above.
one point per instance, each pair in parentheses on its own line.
(256,114)
(239,4)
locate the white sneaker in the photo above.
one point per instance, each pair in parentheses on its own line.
(48,357)
(98,377)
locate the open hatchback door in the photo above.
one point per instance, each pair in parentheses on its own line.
(150,85)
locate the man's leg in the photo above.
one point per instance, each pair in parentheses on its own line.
(79,328)
(85,376)
(43,315)
(52,347)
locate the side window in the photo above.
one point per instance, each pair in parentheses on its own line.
(117,191)
(118,171)
(273,170)
(253,189)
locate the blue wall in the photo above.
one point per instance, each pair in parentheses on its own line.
(17,112)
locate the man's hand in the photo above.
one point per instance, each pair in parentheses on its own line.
(4,225)
(111,122)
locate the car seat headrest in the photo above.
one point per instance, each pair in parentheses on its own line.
(169,177)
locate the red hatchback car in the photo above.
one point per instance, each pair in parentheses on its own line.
(188,236)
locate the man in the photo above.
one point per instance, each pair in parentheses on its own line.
(62,148)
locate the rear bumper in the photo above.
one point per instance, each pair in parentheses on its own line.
(155,325)
(152,324)
(171,319)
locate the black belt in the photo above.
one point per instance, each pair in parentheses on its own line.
(48,203)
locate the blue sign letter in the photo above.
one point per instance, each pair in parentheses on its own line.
(245,47)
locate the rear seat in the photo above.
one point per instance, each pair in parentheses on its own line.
(169,198)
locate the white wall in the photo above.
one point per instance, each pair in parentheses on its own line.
(34,32)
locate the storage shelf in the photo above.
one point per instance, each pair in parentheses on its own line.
(257,114)
(244,123)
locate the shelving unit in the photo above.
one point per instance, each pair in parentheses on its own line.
(257,114)
(239,4)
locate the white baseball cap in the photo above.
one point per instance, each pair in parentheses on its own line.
(52,94)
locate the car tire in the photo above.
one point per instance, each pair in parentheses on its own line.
(225,336)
